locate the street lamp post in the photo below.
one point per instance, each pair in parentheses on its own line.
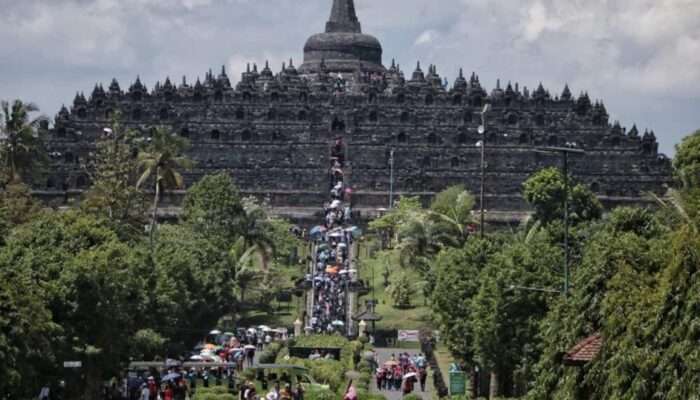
(570,148)
(391,180)
(482,132)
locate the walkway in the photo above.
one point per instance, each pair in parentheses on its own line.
(384,354)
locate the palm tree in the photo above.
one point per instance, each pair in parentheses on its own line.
(245,270)
(21,147)
(159,157)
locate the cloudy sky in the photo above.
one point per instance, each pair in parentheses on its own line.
(642,57)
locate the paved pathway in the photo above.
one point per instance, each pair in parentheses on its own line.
(384,354)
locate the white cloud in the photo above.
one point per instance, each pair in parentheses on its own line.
(427,37)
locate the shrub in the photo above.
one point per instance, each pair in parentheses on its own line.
(319,395)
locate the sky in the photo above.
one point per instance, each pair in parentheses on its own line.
(641,57)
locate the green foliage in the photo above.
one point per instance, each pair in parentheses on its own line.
(412,396)
(270,354)
(17,204)
(544,192)
(320,395)
(687,161)
(401,289)
(192,280)
(113,193)
(148,344)
(21,143)
(159,159)
(213,206)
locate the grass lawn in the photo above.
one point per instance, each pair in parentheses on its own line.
(416,316)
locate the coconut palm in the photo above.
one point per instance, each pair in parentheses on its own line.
(21,146)
(244,264)
(160,157)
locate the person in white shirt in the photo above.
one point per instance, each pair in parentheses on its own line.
(45,392)
(145,393)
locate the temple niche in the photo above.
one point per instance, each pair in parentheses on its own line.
(271,131)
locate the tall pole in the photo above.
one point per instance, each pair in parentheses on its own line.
(566,225)
(482,131)
(483,152)
(570,148)
(391,180)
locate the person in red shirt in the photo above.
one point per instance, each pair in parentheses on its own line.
(169,391)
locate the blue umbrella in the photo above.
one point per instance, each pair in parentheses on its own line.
(315,231)
(169,377)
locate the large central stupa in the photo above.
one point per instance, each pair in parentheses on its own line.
(343,47)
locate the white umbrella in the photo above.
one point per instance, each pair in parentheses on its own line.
(338,323)
(335,203)
(352,271)
(263,327)
(352,229)
(251,330)
(336,234)
(342,245)
(409,375)
(215,332)
(249,346)
(196,358)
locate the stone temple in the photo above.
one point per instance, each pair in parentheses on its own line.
(272,131)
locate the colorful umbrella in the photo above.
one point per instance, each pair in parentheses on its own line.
(348,191)
(409,375)
(391,362)
(332,270)
(210,346)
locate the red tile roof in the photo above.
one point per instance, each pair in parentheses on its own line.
(584,351)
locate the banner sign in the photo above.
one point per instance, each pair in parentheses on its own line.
(72,364)
(408,336)
(458,383)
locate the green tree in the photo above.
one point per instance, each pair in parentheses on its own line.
(544,192)
(452,209)
(191,282)
(213,206)
(687,161)
(113,172)
(457,272)
(21,145)
(245,269)
(160,158)
(18,204)
(401,289)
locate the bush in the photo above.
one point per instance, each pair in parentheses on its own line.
(319,395)
(330,372)
(270,354)
(364,367)
(412,396)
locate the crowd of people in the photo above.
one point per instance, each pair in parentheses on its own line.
(332,272)
(402,372)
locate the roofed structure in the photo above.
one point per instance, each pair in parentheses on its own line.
(584,351)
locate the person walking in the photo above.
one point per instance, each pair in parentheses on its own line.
(45,392)
(422,376)
(145,393)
